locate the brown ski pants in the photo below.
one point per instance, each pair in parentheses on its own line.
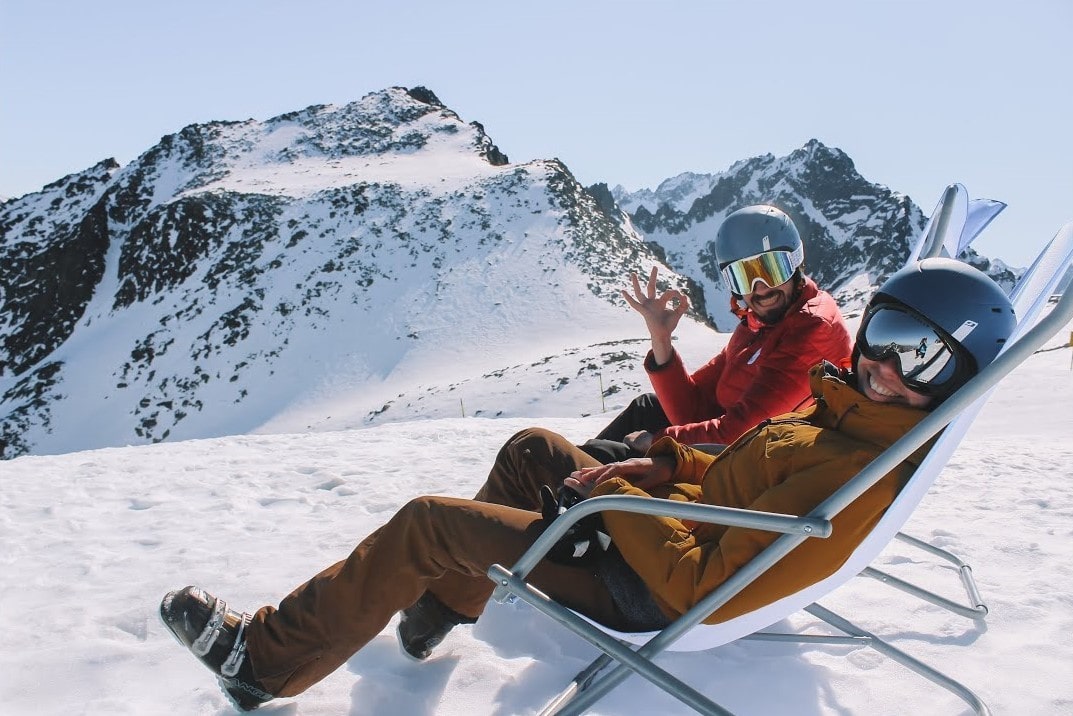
(441,544)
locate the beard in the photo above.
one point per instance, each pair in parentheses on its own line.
(773,316)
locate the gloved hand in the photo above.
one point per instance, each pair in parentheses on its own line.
(585,542)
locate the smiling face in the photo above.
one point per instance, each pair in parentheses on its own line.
(881,382)
(770,304)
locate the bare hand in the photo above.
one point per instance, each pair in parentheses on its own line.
(661,313)
(639,441)
(643,472)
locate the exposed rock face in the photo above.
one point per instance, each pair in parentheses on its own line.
(51,261)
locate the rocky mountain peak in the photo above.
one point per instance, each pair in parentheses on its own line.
(856,233)
(236,267)
(424,94)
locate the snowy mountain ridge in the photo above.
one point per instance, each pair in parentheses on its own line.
(856,233)
(338,267)
(238,269)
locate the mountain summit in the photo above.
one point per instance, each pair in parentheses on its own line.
(856,233)
(238,269)
(382,260)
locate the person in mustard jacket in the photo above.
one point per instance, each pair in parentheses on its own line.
(430,559)
(787,325)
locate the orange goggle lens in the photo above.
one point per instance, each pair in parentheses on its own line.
(774,268)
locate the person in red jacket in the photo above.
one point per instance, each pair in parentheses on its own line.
(787,326)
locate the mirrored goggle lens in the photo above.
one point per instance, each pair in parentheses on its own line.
(923,355)
(772,267)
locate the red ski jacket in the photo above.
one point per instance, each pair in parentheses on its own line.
(763,371)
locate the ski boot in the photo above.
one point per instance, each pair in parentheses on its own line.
(424,625)
(216,636)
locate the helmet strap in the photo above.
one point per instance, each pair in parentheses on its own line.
(799,285)
(737,309)
(799,278)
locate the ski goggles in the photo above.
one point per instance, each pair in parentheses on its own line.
(774,268)
(928,358)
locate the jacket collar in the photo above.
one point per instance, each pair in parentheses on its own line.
(842,406)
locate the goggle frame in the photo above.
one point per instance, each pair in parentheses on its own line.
(915,357)
(773,268)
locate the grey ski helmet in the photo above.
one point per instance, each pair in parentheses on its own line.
(750,232)
(970,316)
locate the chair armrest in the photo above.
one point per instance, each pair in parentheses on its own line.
(729,516)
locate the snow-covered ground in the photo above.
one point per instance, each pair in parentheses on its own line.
(90,541)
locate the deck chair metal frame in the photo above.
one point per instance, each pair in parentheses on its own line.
(957,412)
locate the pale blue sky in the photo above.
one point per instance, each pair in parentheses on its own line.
(919,92)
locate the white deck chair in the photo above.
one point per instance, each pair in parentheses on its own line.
(687,633)
(955,223)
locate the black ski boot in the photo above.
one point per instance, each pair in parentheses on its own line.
(424,625)
(216,636)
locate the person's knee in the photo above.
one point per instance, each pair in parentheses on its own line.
(512,449)
(535,442)
(422,509)
(646,400)
(430,518)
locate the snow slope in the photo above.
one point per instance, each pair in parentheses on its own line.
(92,540)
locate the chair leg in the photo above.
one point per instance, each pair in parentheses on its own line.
(576,699)
(928,672)
(579,683)
(975,609)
